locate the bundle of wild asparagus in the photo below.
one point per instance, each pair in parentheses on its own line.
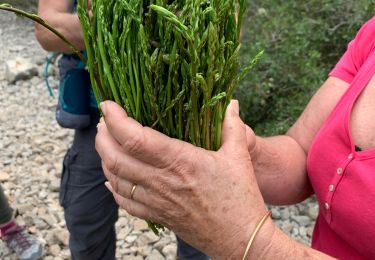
(172,64)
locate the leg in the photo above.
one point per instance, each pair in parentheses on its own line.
(187,252)
(26,246)
(90,210)
(5,210)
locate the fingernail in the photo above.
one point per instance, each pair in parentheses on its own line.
(103,107)
(235,106)
(109,186)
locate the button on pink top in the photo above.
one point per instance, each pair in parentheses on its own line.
(343,179)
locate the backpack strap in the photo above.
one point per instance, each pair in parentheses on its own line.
(50,60)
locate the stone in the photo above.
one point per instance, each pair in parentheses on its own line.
(147,238)
(302,220)
(4,176)
(62,236)
(121,222)
(170,251)
(20,69)
(275,213)
(55,250)
(123,233)
(140,224)
(54,185)
(131,239)
(155,255)
(284,214)
(313,211)
(40,224)
(49,219)
(287,227)
(164,241)
(144,250)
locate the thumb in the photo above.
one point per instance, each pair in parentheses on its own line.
(233,138)
(112,111)
(121,127)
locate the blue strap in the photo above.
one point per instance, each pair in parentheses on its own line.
(49,62)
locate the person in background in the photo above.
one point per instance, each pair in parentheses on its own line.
(26,246)
(216,200)
(90,210)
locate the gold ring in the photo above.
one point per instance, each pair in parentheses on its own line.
(133,190)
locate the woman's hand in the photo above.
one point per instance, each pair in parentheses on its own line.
(210,199)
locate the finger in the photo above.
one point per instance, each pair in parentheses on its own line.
(233,139)
(250,139)
(140,142)
(124,188)
(133,207)
(119,163)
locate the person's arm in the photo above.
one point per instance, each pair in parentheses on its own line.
(280,161)
(58,14)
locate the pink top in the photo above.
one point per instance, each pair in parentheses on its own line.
(343,179)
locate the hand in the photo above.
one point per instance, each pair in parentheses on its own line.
(209,199)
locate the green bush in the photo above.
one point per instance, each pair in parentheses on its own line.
(302,41)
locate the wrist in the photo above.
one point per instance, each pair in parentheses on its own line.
(236,248)
(263,241)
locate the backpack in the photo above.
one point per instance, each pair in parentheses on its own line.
(74,95)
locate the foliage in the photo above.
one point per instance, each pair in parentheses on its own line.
(302,41)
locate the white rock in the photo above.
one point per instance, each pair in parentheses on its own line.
(302,220)
(62,236)
(4,176)
(169,251)
(131,239)
(55,250)
(54,185)
(20,69)
(140,224)
(155,255)
(147,238)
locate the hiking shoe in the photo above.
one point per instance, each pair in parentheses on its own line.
(21,242)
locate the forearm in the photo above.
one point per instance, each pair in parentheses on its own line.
(66,23)
(280,168)
(281,246)
(270,243)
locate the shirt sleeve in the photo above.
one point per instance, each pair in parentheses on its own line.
(357,53)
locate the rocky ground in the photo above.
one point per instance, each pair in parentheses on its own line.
(32,146)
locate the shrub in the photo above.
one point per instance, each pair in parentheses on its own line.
(302,41)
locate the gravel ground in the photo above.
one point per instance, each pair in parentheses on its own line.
(32,146)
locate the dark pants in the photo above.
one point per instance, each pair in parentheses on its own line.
(187,252)
(5,210)
(90,210)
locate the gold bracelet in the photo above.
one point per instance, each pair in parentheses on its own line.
(257,228)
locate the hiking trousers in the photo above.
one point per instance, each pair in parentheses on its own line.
(89,208)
